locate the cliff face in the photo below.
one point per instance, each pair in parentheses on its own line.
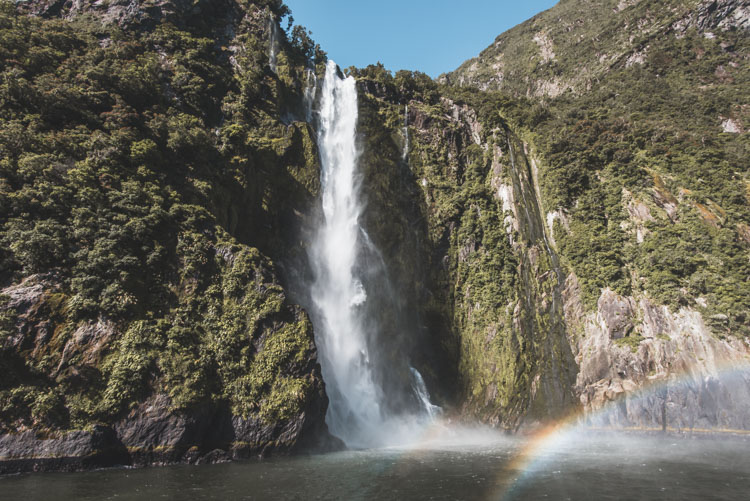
(148,182)
(640,153)
(456,212)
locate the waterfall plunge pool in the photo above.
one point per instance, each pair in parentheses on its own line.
(572,466)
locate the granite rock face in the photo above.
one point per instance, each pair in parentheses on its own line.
(674,375)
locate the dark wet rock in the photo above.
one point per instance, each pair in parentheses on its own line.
(70,451)
(153,434)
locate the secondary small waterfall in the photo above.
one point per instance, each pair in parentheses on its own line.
(358,412)
(310,92)
(405,154)
(273,42)
(420,389)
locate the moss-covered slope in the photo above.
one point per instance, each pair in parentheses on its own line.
(143,164)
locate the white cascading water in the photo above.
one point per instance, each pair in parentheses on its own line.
(273,43)
(311,90)
(420,389)
(405,153)
(356,413)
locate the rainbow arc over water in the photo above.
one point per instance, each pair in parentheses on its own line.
(534,450)
(543,443)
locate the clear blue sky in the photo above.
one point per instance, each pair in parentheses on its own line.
(432,36)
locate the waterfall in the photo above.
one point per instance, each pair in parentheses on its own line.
(405,154)
(355,409)
(420,389)
(311,91)
(358,412)
(273,43)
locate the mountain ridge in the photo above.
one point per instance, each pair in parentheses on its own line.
(533,70)
(641,159)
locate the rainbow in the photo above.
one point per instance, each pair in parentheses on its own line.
(544,441)
(536,447)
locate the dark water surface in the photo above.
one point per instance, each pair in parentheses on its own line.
(571,467)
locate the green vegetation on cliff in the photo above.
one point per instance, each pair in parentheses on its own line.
(484,287)
(140,172)
(639,129)
(630,171)
(153,171)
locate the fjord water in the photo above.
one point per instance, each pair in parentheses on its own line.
(358,412)
(581,467)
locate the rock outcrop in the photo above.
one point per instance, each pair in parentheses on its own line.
(642,365)
(154,431)
(70,451)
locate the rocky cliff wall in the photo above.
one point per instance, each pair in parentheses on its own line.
(143,319)
(523,345)
(636,154)
(466,242)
